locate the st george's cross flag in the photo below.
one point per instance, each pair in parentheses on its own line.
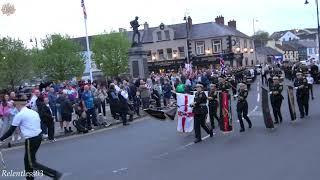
(185,115)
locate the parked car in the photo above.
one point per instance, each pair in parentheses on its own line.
(258,68)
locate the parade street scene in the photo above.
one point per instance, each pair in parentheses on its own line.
(141,90)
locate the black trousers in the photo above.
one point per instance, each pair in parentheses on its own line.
(200,121)
(242,111)
(276,107)
(311,90)
(91,114)
(213,115)
(303,104)
(50,125)
(264,79)
(31,147)
(103,107)
(124,117)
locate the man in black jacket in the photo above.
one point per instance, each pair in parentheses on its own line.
(46,117)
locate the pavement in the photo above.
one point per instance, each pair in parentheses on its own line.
(149,149)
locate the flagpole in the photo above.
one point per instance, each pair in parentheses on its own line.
(87,39)
(88,50)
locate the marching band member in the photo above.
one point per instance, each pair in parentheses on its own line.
(276,99)
(200,111)
(242,106)
(213,105)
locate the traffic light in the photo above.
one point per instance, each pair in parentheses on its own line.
(189,49)
(229,44)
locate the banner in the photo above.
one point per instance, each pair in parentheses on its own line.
(266,110)
(292,108)
(225,112)
(185,115)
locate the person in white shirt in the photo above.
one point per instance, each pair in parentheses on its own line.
(34,98)
(29,123)
(124,107)
(310,84)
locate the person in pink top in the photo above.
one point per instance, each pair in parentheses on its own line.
(5,109)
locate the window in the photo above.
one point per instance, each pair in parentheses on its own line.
(149,55)
(160,53)
(181,52)
(216,46)
(167,34)
(154,56)
(175,54)
(159,35)
(310,50)
(169,53)
(245,44)
(238,42)
(200,47)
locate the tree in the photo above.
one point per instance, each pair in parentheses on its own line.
(15,60)
(60,59)
(261,38)
(111,53)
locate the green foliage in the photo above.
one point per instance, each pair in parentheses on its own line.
(111,53)
(16,63)
(261,38)
(60,59)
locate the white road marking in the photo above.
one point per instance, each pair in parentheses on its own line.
(251,112)
(258,98)
(120,170)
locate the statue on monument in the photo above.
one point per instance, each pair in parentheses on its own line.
(135,25)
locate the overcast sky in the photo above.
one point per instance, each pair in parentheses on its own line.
(36,18)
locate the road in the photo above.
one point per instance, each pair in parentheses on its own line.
(153,150)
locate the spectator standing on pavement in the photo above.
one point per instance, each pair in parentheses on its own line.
(13,112)
(113,101)
(124,108)
(310,84)
(5,109)
(52,96)
(46,117)
(88,106)
(144,94)
(102,96)
(66,113)
(166,92)
(33,101)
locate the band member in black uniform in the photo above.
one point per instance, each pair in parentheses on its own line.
(276,99)
(242,106)
(200,111)
(213,105)
(29,123)
(302,93)
(233,85)
(223,85)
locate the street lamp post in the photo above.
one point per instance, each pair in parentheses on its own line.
(187,28)
(317,5)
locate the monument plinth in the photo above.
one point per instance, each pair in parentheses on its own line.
(138,63)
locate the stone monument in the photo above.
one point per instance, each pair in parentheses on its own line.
(137,55)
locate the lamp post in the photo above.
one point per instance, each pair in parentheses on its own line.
(188,39)
(317,5)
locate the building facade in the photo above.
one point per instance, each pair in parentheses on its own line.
(171,46)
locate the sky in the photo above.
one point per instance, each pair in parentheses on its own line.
(37,18)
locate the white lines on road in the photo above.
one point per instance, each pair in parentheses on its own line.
(120,170)
(258,98)
(178,149)
(254,110)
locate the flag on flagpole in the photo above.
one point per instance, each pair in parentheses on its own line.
(84,9)
(222,65)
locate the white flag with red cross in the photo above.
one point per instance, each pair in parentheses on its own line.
(185,115)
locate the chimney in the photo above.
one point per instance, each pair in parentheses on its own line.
(220,20)
(189,22)
(146,26)
(232,24)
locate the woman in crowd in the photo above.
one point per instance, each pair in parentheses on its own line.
(5,109)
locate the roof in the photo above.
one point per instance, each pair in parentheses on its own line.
(288,47)
(307,36)
(308,44)
(268,51)
(298,32)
